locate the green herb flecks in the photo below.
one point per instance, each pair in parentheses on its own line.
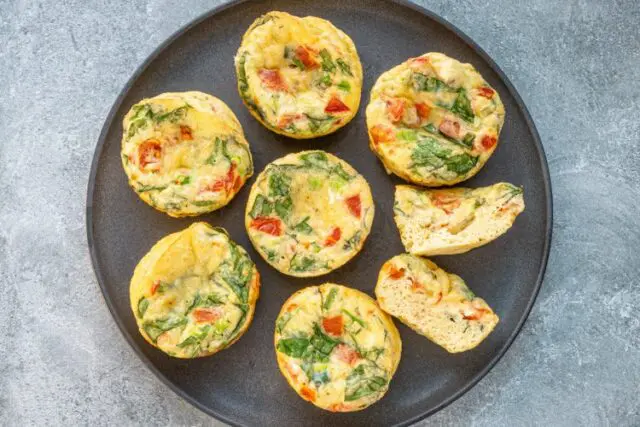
(143,304)
(345,86)
(172,116)
(319,124)
(354,318)
(344,67)
(142,113)
(462,106)
(261,207)
(331,296)
(461,163)
(422,83)
(363,381)
(279,184)
(303,227)
(283,208)
(145,188)
(155,328)
(353,241)
(327,61)
(300,264)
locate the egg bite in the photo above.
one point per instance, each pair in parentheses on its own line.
(299,77)
(309,213)
(336,348)
(185,153)
(434,303)
(194,293)
(433,120)
(454,220)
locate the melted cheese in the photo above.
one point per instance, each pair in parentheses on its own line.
(185,153)
(453,221)
(336,348)
(309,213)
(194,292)
(433,120)
(434,303)
(300,77)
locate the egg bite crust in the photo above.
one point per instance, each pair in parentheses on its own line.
(454,220)
(434,303)
(309,213)
(433,120)
(194,293)
(185,153)
(336,348)
(299,77)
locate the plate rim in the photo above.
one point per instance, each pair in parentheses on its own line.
(546,178)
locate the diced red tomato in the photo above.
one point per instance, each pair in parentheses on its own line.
(333,237)
(335,106)
(333,325)
(308,394)
(476,315)
(237,183)
(272,79)
(381,133)
(487,92)
(445,202)
(450,128)
(227,183)
(186,133)
(395,272)
(267,225)
(150,154)
(423,110)
(355,205)
(347,354)
(418,62)
(206,315)
(338,407)
(395,109)
(292,307)
(488,141)
(154,287)
(287,119)
(305,57)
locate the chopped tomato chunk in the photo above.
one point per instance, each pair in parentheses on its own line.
(395,272)
(488,141)
(450,128)
(154,287)
(292,307)
(206,315)
(333,237)
(267,225)
(423,110)
(307,393)
(487,92)
(287,119)
(227,183)
(305,57)
(355,205)
(347,354)
(272,80)
(335,106)
(149,154)
(381,133)
(445,202)
(476,315)
(333,325)
(395,109)
(185,132)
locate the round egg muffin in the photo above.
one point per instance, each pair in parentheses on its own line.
(300,77)
(309,213)
(336,348)
(434,303)
(185,153)
(433,120)
(194,293)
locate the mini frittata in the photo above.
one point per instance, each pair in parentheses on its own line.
(455,220)
(433,120)
(300,77)
(194,293)
(434,303)
(309,213)
(336,348)
(185,153)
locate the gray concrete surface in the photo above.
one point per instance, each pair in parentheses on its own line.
(577,66)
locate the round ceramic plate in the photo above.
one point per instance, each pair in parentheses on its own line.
(242,385)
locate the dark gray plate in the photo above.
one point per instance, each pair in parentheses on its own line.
(242,385)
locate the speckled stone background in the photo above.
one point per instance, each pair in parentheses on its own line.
(575,63)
